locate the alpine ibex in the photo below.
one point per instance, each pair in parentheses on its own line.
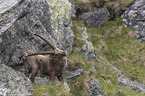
(51,65)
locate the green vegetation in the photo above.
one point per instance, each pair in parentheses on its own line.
(57,89)
(114,44)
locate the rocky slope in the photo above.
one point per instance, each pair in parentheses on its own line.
(18,23)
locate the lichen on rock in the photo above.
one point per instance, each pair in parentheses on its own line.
(13,83)
(61,23)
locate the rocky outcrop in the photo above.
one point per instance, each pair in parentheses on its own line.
(134,18)
(13,83)
(20,19)
(73,9)
(75,73)
(93,88)
(87,49)
(123,81)
(95,18)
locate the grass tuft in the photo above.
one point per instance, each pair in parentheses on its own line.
(57,89)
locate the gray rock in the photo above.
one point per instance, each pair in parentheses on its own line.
(40,80)
(76,73)
(134,18)
(93,88)
(95,18)
(123,81)
(23,18)
(85,1)
(73,9)
(13,83)
(139,4)
(87,49)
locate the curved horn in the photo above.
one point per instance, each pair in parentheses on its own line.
(48,42)
(42,53)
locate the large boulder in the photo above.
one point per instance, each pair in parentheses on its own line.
(95,18)
(20,19)
(134,18)
(13,83)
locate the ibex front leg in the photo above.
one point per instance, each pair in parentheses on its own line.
(34,73)
(52,76)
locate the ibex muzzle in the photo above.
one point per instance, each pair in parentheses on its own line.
(52,65)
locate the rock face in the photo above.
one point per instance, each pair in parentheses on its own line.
(20,19)
(73,9)
(123,81)
(13,83)
(134,18)
(95,18)
(87,49)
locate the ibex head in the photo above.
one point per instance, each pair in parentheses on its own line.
(60,52)
(56,50)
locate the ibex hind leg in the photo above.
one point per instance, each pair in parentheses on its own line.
(33,74)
